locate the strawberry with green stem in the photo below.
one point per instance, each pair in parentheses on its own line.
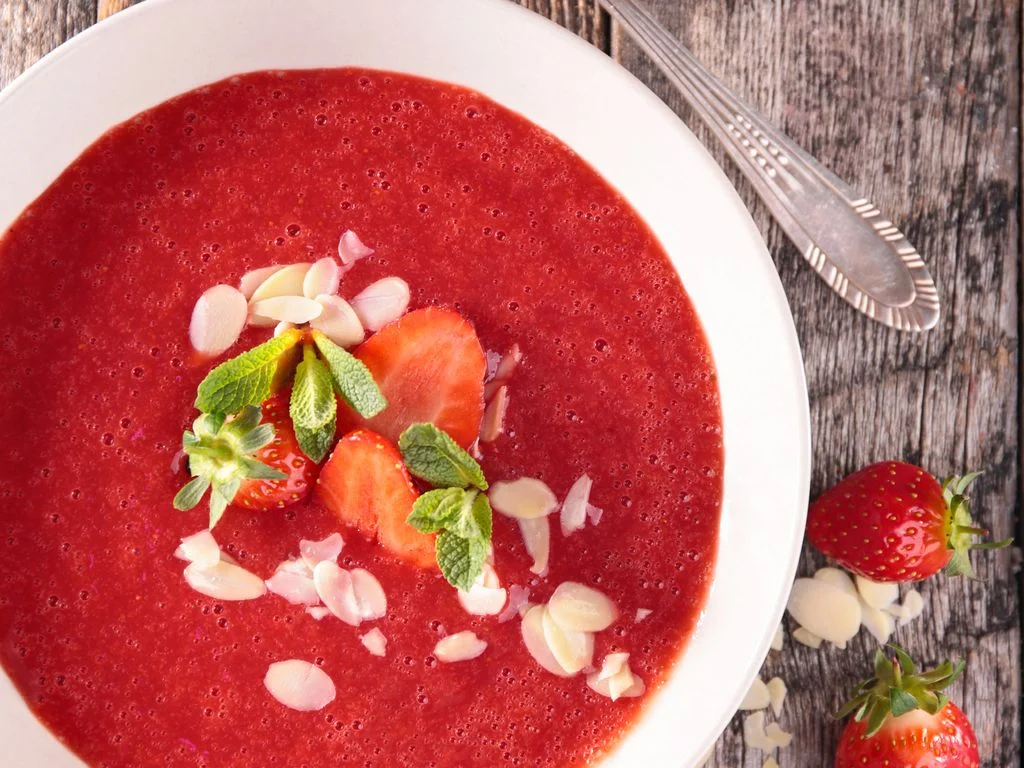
(894,522)
(264,466)
(901,717)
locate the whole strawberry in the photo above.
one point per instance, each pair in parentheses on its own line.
(902,719)
(893,521)
(252,459)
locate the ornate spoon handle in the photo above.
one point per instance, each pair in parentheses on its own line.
(842,235)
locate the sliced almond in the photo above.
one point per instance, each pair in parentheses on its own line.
(504,367)
(218,318)
(877,595)
(286,281)
(517,598)
(621,684)
(201,548)
(837,578)
(323,277)
(492,426)
(338,322)
(225,581)
(287,309)
(254,279)
(370,598)
(757,696)
(879,623)
(777,736)
(753,732)
(825,610)
(282,328)
(351,248)
(778,639)
(298,566)
(532,631)
(314,552)
(485,597)
(297,589)
(612,664)
(594,514)
(381,302)
(461,646)
(536,533)
(776,694)
(913,605)
(318,612)
(574,508)
(300,685)
(526,498)
(334,586)
(375,642)
(641,614)
(572,649)
(581,608)
(806,637)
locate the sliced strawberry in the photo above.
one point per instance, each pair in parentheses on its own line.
(365,484)
(430,366)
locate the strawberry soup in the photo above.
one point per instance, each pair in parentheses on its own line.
(498,281)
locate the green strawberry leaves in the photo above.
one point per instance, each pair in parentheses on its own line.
(247,379)
(219,458)
(313,409)
(352,379)
(456,510)
(431,455)
(897,688)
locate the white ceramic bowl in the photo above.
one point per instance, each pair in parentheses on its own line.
(163,47)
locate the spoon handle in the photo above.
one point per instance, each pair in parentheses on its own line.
(842,235)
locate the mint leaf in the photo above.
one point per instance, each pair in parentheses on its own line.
(434,510)
(247,379)
(316,443)
(461,560)
(352,379)
(432,455)
(313,408)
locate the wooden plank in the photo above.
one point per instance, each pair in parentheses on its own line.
(31,28)
(917,104)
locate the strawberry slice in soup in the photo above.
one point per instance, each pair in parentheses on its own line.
(430,366)
(366,485)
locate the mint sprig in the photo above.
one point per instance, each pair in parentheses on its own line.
(220,458)
(249,378)
(352,379)
(457,511)
(432,455)
(313,409)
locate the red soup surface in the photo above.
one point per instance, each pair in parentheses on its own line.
(477,209)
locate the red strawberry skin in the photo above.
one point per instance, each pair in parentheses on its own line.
(283,454)
(430,366)
(914,740)
(888,522)
(366,485)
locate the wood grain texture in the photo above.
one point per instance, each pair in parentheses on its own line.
(917,103)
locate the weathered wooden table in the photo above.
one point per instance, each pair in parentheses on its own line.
(917,103)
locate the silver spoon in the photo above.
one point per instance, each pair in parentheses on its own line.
(842,235)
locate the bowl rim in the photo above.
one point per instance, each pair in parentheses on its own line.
(667,127)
